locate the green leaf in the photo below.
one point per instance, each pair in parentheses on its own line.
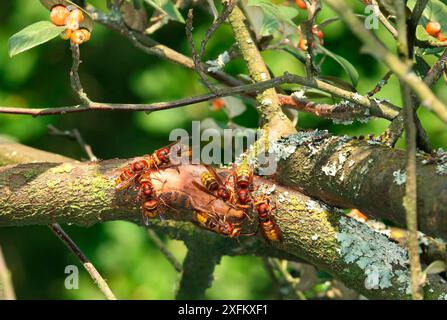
(167,7)
(338,82)
(282,14)
(346,65)
(435,267)
(32,36)
(435,10)
(421,67)
(298,55)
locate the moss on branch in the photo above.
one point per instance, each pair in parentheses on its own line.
(84,193)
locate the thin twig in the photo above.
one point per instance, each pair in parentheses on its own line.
(396,128)
(74,135)
(380,85)
(381,109)
(169,256)
(290,281)
(342,112)
(378,49)
(410,198)
(386,23)
(271,272)
(99,280)
(6,287)
(306,27)
(74,75)
(195,56)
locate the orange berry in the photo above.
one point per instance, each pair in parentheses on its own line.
(217,104)
(301,4)
(303,44)
(77,15)
(433,28)
(86,34)
(59,14)
(78,37)
(441,37)
(66,34)
(356,214)
(318,32)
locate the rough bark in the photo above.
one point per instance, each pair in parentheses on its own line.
(349,173)
(84,194)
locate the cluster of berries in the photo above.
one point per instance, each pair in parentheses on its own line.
(433,28)
(62,16)
(316,32)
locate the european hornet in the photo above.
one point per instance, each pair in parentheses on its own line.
(148,196)
(269,228)
(211,221)
(132,171)
(243,182)
(212,183)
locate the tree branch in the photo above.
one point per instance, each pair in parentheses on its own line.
(268,105)
(198,268)
(349,173)
(85,194)
(376,48)
(6,286)
(94,274)
(410,198)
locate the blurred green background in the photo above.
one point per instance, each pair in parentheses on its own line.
(114,71)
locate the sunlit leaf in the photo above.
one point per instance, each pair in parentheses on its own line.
(274,16)
(435,267)
(167,7)
(346,65)
(338,82)
(32,36)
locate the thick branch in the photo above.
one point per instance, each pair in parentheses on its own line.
(198,268)
(356,174)
(268,104)
(85,194)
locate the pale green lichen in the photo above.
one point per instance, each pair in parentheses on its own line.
(400,177)
(443,296)
(284,148)
(379,258)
